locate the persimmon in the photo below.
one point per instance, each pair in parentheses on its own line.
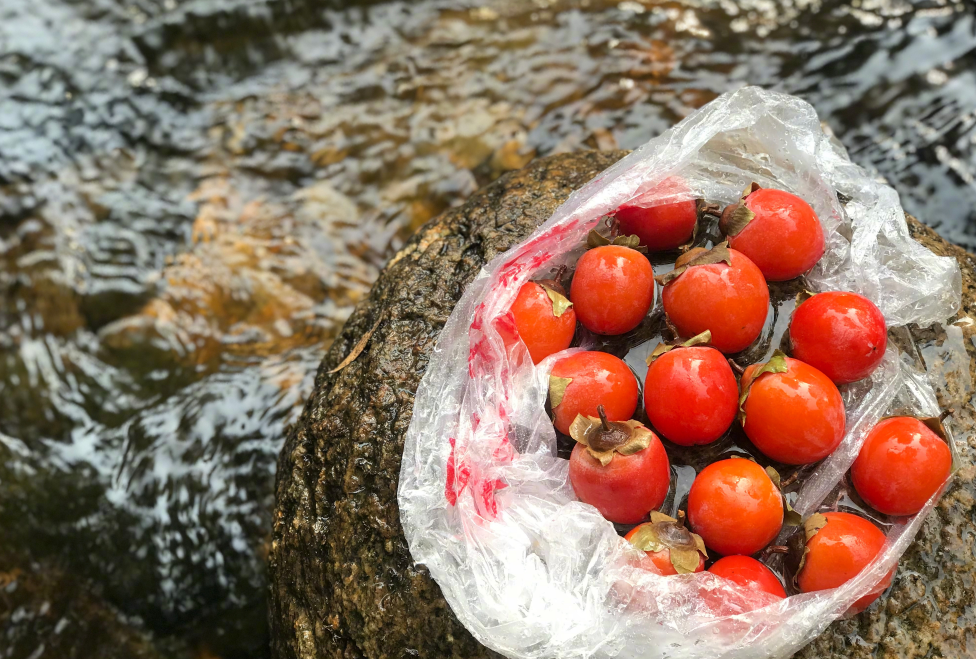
(619,468)
(735,507)
(719,290)
(612,289)
(690,395)
(839,545)
(841,334)
(902,463)
(750,573)
(544,318)
(779,231)
(582,381)
(792,412)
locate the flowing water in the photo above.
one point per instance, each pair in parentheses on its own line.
(195,193)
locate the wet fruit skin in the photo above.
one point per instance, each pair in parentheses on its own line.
(626,489)
(662,559)
(748,572)
(735,507)
(841,334)
(902,463)
(598,379)
(542,332)
(690,395)
(662,227)
(838,552)
(612,289)
(730,300)
(796,417)
(784,239)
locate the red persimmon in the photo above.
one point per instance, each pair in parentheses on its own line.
(544,320)
(837,553)
(690,395)
(841,334)
(661,227)
(777,230)
(612,289)
(793,414)
(730,299)
(735,507)
(750,573)
(582,381)
(902,463)
(622,470)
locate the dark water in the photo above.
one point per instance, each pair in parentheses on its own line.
(194,194)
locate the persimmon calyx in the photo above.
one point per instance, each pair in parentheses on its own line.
(664,532)
(790,516)
(776,364)
(597,239)
(696,256)
(737,216)
(603,438)
(803,296)
(796,556)
(698,339)
(557,389)
(560,303)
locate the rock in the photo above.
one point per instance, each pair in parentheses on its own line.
(47,612)
(342,580)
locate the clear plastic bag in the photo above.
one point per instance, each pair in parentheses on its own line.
(485,503)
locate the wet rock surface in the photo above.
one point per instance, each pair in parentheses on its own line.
(343,584)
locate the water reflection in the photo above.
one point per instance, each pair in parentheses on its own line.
(193,195)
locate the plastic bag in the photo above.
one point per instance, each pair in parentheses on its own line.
(485,503)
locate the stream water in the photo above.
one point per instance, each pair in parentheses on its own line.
(195,193)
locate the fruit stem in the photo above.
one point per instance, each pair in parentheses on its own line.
(945,415)
(711,209)
(560,271)
(789,481)
(603,417)
(778,549)
(614,228)
(681,519)
(735,366)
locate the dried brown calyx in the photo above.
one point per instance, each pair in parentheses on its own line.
(696,256)
(556,292)
(702,210)
(665,532)
(935,424)
(776,364)
(737,217)
(797,550)
(603,438)
(698,339)
(597,239)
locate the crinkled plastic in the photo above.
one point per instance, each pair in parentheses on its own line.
(487,506)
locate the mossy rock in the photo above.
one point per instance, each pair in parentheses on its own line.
(343,584)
